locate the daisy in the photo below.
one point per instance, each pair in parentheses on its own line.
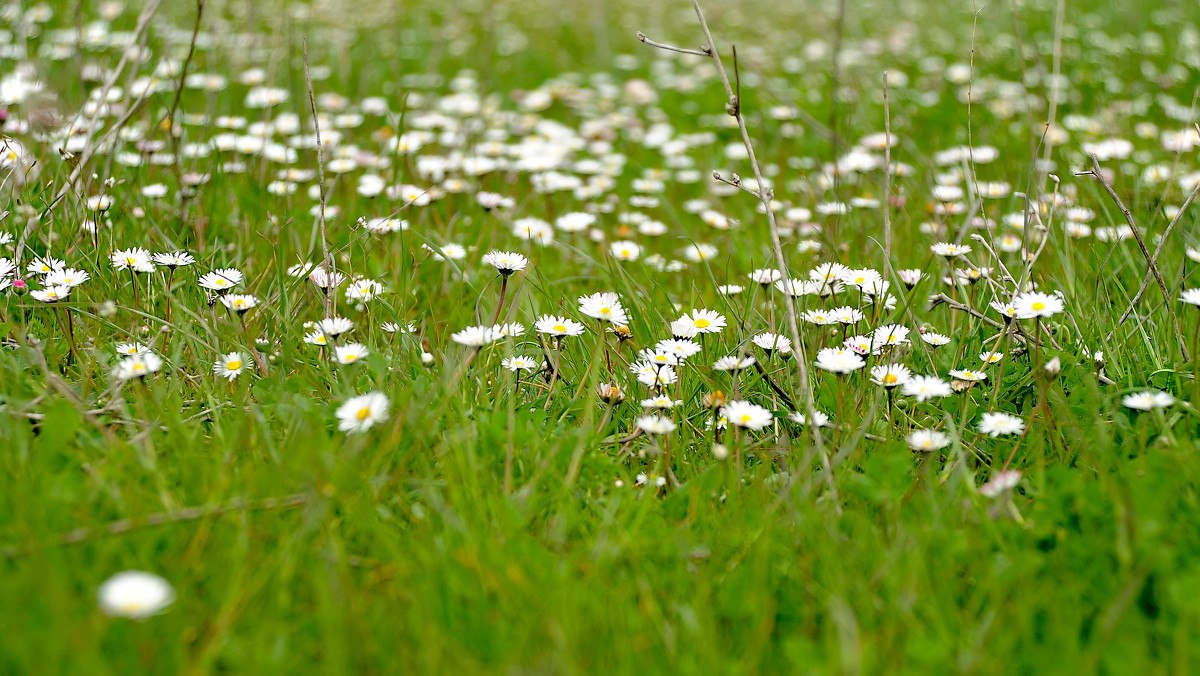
(1147,400)
(363,412)
(350,353)
(239,303)
(1000,424)
(654,375)
(1034,304)
(610,393)
(684,329)
(839,360)
(334,326)
(706,321)
(927,440)
(230,366)
(137,366)
(748,415)
(1191,297)
(968,375)
(135,594)
(765,276)
(660,402)
(177,259)
(505,262)
(644,479)
(682,349)
(732,363)
(890,334)
(509,330)
(519,363)
(991,357)
(801,419)
(475,336)
(363,290)
(772,342)
(66,277)
(658,358)
(558,327)
(890,375)
(605,306)
(51,294)
(136,259)
(925,388)
(221,279)
(910,277)
(654,424)
(130,349)
(325,279)
(624,250)
(935,339)
(948,250)
(819,317)
(44,266)
(1000,483)
(847,315)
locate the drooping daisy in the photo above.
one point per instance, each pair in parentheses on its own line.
(130,349)
(910,277)
(746,414)
(135,594)
(654,375)
(765,276)
(350,353)
(927,441)
(505,262)
(1147,400)
(890,375)
(362,412)
(230,366)
(925,388)
(1000,424)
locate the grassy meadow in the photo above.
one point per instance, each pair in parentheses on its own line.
(420,337)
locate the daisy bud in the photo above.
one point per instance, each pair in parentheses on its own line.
(427,359)
(720,451)
(1052,368)
(622,333)
(20,287)
(713,399)
(960,386)
(610,394)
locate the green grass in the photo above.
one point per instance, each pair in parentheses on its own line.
(296,548)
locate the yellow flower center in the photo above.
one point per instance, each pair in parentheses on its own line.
(1039,306)
(363,413)
(889,378)
(559,328)
(233,365)
(745,419)
(703,323)
(351,357)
